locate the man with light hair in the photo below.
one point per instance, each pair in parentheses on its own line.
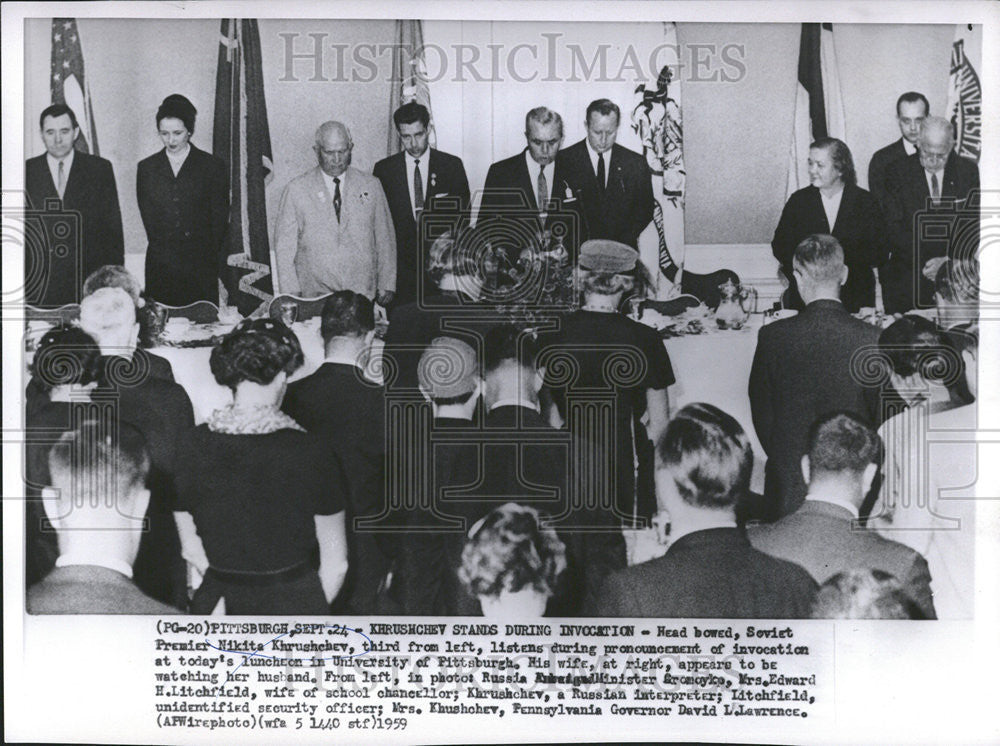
(334,230)
(930,187)
(96,502)
(802,369)
(527,194)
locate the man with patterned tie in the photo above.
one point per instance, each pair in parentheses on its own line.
(333,230)
(427,191)
(527,194)
(83,184)
(930,186)
(613,183)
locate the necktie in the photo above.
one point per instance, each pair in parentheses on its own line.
(600,173)
(418,189)
(61,186)
(543,190)
(336,196)
(935,187)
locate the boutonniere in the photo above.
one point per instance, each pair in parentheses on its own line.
(434,179)
(365,197)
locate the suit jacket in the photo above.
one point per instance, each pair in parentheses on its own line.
(802,368)
(713,573)
(903,285)
(317,254)
(90,589)
(186,218)
(509,205)
(625,208)
(859,227)
(349,414)
(446,200)
(90,191)
(878,167)
(820,537)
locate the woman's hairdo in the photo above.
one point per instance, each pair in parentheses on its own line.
(176,106)
(840,154)
(510,551)
(66,356)
(256,350)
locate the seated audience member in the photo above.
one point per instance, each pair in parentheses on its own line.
(452,267)
(348,411)
(710,569)
(118,286)
(425,581)
(956,294)
(605,349)
(162,412)
(510,563)
(66,367)
(99,533)
(803,367)
(864,594)
(116,276)
(822,535)
(255,493)
(925,500)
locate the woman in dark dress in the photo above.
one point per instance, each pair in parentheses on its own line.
(834,204)
(183,195)
(258,496)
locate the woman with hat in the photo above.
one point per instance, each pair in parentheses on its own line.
(183,197)
(258,499)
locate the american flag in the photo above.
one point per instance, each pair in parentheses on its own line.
(68,83)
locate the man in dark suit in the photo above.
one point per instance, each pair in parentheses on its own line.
(161,411)
(822,535)
(349,412)
(98,536)
(527,195)
(912,109)
(929,189)
(613,183)
(81,183)
(709,569)
(419,182)
(802,368)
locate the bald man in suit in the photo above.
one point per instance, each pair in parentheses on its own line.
(334,230)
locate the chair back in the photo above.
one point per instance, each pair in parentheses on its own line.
(63,316)
(200,312)
(292,308)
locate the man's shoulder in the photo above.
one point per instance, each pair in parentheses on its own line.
(891,152)
(966,167)
(506,165)
(387,163)
(303,180)
(627,155)
(363,177)
(574,152)
(447,160)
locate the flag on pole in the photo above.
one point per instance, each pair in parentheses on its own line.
(965,94)
(409,76)
(819,106)
(242,139)
(68,82)
(656,118)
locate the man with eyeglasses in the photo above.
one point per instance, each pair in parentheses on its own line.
(930,216)
(912,109)
(334,230)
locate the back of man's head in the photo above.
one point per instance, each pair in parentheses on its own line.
(508,344)
(108,315)
(864,594)
(912,345)
(819,266)
(708,456)
(98,475)
(347,314)
(842,445)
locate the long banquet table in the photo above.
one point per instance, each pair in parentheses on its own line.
(713,367)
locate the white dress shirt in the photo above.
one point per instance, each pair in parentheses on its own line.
(54,168)
(425,176)
(831,206)
(533,168)
(593,162)
(331,187)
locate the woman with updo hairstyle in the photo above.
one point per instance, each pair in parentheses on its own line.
(511,563)
(183,195)
(834,204)
(260,502)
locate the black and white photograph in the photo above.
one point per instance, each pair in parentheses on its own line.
(369,366)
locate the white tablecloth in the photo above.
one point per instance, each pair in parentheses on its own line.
(712,368)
